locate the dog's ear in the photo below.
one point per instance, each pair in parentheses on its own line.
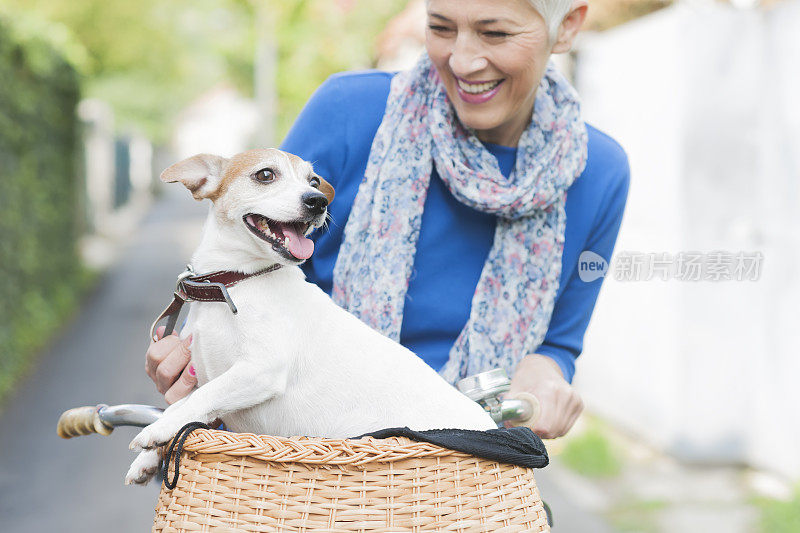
(201,174)
(326,189)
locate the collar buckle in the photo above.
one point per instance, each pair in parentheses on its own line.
(188,273)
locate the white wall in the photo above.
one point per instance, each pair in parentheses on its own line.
(221,121)
(98,144)
(701,98)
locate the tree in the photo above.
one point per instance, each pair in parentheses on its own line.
(148,58)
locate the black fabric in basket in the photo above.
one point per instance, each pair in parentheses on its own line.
(517,446)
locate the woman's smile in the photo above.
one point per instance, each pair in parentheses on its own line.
(477,92)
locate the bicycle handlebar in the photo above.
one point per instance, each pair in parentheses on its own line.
(487,388)
(103,419)
(521,410)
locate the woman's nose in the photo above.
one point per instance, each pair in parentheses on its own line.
(466,58)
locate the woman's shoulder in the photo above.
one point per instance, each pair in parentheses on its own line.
(373,79)
(596,200)
(607,170)
(336,127)
(605,151)
(346,103)
(356,89)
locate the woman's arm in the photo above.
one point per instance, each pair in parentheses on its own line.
(573,309)
(547,374)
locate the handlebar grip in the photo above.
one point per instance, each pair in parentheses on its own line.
(82,421)
(536,409)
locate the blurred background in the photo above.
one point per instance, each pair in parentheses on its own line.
(693,411)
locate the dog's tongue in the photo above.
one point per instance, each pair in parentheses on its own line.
(298,245)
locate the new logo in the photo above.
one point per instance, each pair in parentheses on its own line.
(591,266)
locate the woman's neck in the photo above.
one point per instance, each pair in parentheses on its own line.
(510,132)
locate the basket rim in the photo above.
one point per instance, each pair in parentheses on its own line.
(314,450)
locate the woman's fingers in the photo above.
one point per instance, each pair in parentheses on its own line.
(172,365)
(562,410)
(183,386)
(560,403)
(156,351)
(165,360)
(552,423)
(167,363)
(575,411)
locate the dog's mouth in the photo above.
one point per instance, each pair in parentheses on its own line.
(287,238)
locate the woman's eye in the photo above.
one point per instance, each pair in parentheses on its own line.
(265,175)
(496,34)
(314,182)
(438,29)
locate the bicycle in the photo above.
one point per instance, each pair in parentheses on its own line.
(222,481)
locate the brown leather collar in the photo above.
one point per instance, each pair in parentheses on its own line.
(211,287)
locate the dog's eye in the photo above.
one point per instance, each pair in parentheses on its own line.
(314,182)
(265,175)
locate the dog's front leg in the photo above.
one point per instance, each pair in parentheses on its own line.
(143,469)
(243,385)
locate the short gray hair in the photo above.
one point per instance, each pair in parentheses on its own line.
(553,13)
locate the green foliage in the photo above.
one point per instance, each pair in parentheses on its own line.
(780,516)
(39,267)
(149,58)
(636,516)
(591,454)
(317,38)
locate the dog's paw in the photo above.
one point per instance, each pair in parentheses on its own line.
(153,436)
(143,468)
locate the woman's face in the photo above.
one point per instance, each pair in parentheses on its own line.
(491,56)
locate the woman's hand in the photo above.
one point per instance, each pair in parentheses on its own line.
(541,376)
(168,363)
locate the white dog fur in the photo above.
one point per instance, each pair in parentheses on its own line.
(290,362)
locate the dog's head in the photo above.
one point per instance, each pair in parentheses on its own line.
(265,197)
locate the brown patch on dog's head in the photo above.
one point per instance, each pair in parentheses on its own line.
(239,165)
(210,176)
(201,174)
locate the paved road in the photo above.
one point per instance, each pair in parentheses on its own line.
(49,484)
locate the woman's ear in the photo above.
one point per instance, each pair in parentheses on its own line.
(201,174)
(570,26)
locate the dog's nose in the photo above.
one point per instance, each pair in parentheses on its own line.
(315,202)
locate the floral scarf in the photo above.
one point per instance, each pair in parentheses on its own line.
(514,297)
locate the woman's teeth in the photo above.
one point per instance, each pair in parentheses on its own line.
(477,88)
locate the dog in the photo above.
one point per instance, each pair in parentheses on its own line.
(289,361)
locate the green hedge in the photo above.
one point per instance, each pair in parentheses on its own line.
(39,199)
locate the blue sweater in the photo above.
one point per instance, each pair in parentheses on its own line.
(335,132)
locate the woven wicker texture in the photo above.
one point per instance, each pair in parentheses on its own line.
(242,482)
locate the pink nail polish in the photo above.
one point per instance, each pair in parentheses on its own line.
(191,370)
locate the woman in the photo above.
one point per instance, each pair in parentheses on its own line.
(481,187)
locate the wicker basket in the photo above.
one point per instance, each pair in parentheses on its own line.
(243,482)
